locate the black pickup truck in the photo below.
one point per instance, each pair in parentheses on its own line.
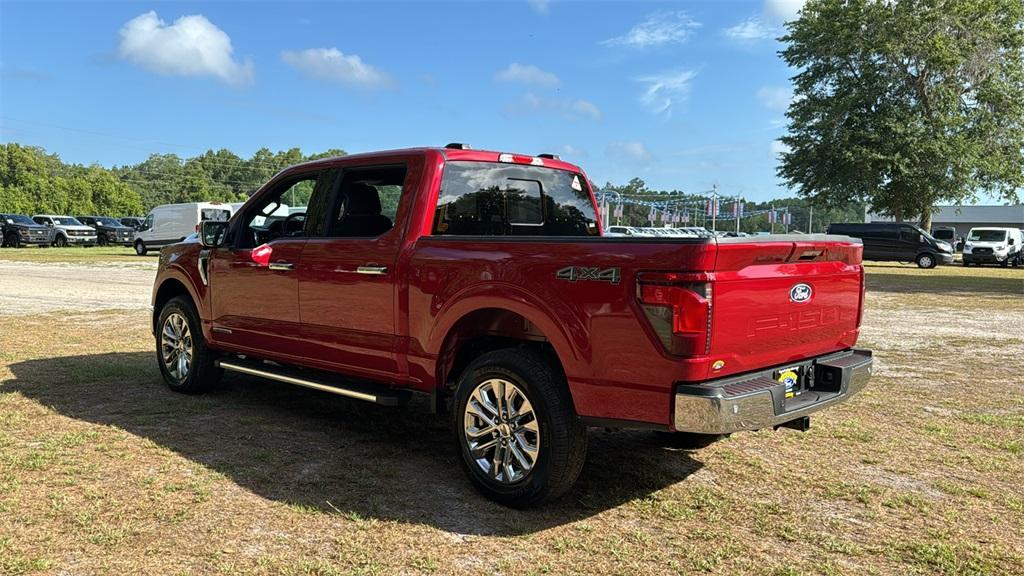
(18,230)
(109,231)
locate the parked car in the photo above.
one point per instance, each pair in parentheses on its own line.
(67,230)
(486,285)
(897,242)
(621,231)
(109,230)
(171,223)
(994,246)
(946,234)
(17,230)
(133,222)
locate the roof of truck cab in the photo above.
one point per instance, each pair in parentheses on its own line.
(446,153)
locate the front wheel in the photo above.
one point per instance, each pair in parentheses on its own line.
(61,242)
(926,261)
(102,240)
(140,248)
(186,363)
(518,436)
(12,240)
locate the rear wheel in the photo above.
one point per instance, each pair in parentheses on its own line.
(186,363)
(518,436)
(140,248)
(926,261)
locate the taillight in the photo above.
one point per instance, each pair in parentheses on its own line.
(863,291)
(678,306)
(520,159)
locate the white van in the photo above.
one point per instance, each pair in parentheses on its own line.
(172,223)
(994,246)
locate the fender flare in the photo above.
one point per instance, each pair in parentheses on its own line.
(521,302)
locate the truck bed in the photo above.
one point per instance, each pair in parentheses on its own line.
(583,296)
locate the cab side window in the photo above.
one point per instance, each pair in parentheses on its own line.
(366,204)
(908,234)
(294,209)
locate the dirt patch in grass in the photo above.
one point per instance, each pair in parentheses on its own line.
(105,471)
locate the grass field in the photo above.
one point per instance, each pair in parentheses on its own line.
(77,255)
(104,471)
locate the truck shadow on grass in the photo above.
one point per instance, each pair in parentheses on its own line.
(329,454)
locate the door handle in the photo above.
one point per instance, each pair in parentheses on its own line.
(372,270)
(281,266)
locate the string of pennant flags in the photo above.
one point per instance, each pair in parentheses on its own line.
(671,213)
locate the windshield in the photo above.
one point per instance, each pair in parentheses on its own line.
(108,222)
(987,235)
(18,219)
(66,221)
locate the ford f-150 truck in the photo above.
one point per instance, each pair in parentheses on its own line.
(482,279)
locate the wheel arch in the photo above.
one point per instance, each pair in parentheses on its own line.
(170,287)
(478,330)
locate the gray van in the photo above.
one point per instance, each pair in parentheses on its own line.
(897,242)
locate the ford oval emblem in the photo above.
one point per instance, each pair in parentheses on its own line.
(800,293)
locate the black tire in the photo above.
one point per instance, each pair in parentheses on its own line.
(966,263)
(687,440)
(562,437)
(12,240)
(101,240)
(926,260)
(202,373)
(140,248)
(60,241)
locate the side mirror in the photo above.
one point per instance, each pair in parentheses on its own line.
(211,233)
(1011,241)
(920,238)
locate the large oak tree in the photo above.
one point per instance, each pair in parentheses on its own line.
(906,103)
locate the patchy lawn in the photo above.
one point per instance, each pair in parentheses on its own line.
(105,471)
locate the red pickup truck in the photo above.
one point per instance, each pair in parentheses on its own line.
(482,279)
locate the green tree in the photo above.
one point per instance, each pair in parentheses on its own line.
(906,103)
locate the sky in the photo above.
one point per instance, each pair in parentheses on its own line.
(684,95)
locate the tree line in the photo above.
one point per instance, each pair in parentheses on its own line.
(34,181)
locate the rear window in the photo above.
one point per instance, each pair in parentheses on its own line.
(495,199)
(215,214)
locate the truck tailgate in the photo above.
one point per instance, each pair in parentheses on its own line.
(776,302)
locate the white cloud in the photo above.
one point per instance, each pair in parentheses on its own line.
(659,28)
(526,74)
(331,65)
(783,10)
(775,98)
(570,151)
(192,46)
(571,109)
(541,6)
(777,147)
(665,90)
(635,151)
(753,28)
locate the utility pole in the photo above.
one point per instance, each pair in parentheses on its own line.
(736,208)
(714,206)
(773,217)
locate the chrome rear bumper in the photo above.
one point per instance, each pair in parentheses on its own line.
(756,401)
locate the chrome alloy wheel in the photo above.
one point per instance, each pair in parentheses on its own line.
(176,346)
(501,430)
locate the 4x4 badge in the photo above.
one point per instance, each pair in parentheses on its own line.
(574,273)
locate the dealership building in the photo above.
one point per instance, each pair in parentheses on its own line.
(963,218)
